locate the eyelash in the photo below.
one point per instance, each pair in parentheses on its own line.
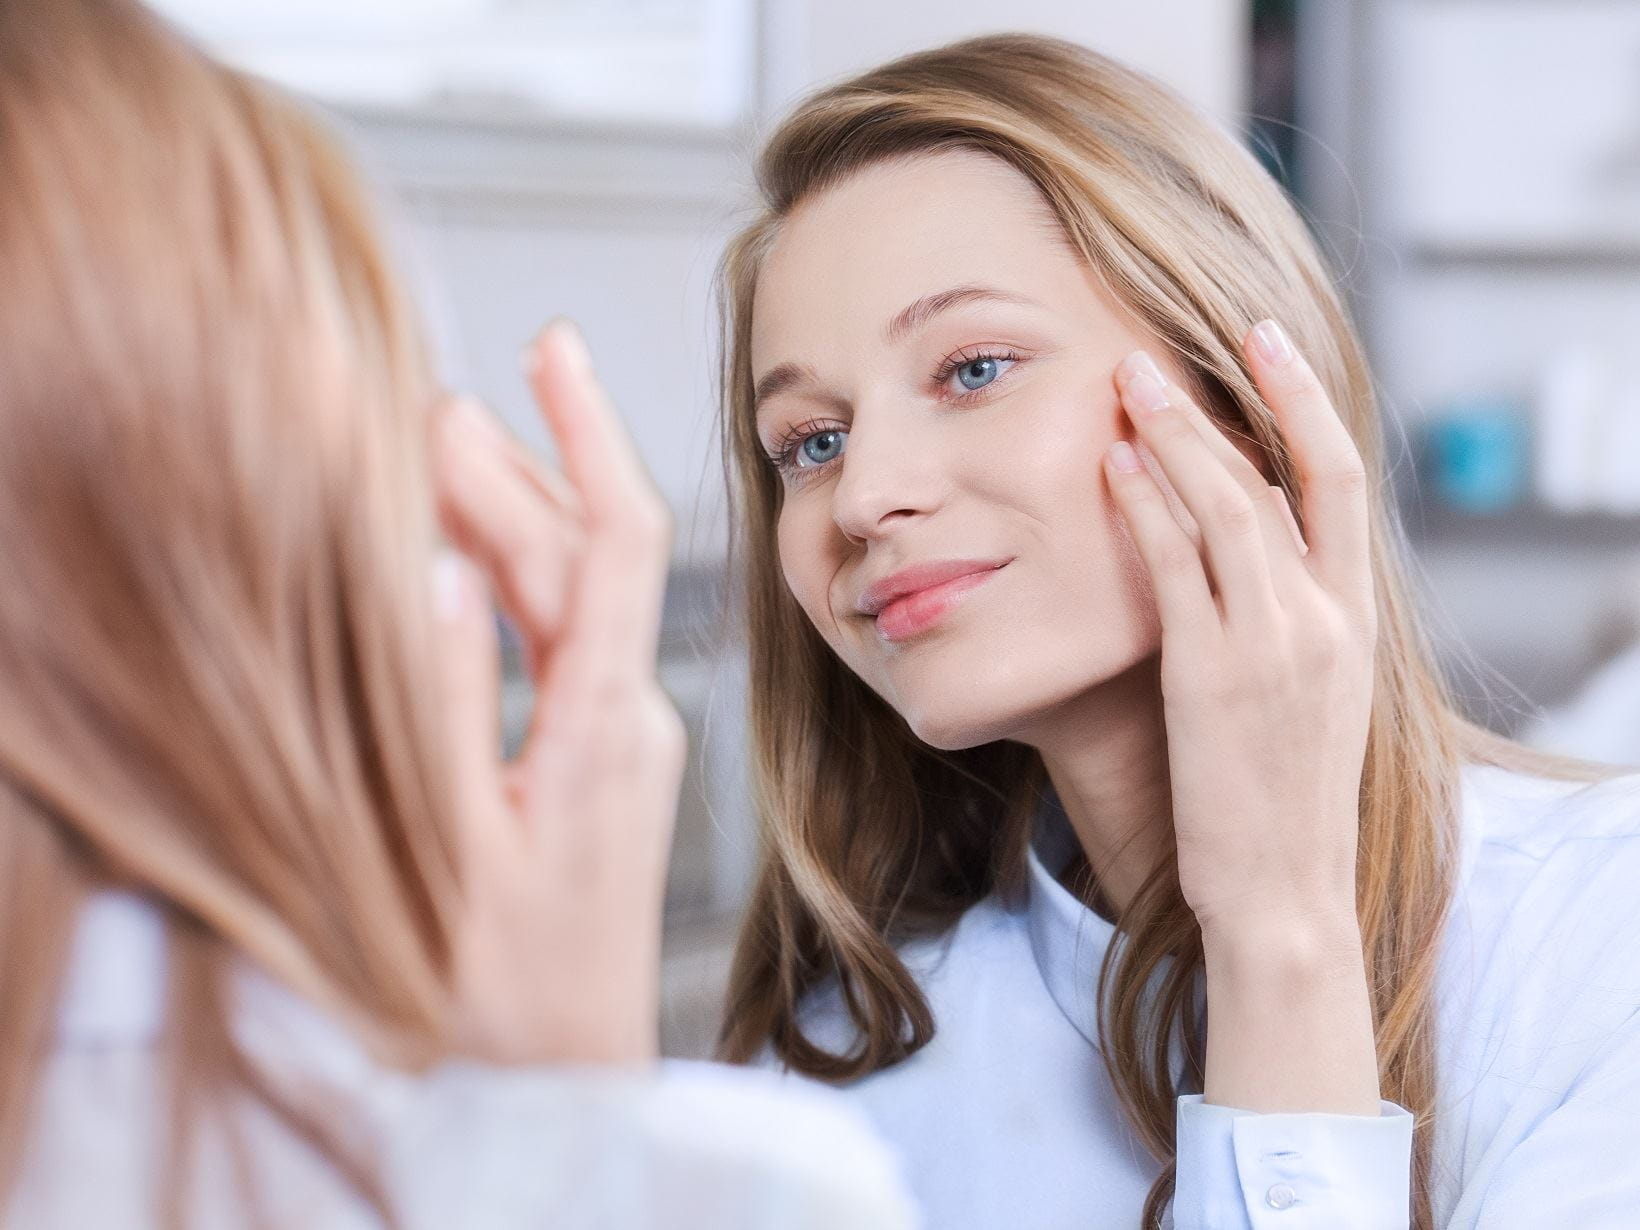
(780,453)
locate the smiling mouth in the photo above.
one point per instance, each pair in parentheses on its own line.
(912,614)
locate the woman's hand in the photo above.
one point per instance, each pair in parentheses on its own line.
(1267,675)
(1267,643)
(564,848)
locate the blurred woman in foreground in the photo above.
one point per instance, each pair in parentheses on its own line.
(264,875)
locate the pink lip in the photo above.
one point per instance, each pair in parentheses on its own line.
(909,580)
(918,611)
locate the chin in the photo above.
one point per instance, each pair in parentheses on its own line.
(965,720)
(947,736)
(1013,700)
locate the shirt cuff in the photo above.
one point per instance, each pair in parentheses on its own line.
(1244,1170)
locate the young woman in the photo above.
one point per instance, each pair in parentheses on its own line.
(1124,849)
(261,871)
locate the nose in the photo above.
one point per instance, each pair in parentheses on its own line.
(883,478)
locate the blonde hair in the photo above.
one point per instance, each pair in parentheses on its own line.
(215,528)
(871,835)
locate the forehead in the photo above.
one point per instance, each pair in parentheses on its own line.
(851,257)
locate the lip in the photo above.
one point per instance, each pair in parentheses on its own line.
(915,598)
(906,581)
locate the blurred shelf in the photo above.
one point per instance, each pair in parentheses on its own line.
(1592,256)
(1526,525)
(486,165)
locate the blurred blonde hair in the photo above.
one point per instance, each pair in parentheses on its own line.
(871,835)
(215,527)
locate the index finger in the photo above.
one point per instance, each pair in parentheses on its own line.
(613,618)
(1332,478)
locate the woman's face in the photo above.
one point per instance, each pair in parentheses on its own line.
(938,361)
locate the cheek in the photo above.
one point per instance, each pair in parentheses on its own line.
(1052,462)
(806,567)
(1057,472)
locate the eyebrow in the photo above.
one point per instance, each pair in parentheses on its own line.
(786,376)
(777,380)
(930,306)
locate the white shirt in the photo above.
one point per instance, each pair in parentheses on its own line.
(696,1147)
(1007,1119)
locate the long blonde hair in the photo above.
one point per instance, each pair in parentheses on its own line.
(215,529)
(871,835)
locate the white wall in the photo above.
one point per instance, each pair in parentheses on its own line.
(1200,47)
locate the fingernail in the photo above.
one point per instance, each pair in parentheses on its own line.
(448,584)
(1123,457)
(1146,392)
(574,346)
(1140,362)
(1272,343)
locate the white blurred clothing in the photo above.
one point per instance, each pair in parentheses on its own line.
(693,1146)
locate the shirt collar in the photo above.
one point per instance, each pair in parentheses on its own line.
(1068,939)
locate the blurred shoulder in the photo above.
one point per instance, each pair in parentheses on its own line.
(796,1127)
(115,984)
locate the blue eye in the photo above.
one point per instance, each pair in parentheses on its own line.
(977,373)
(974,371)
(806,448)
(830,444)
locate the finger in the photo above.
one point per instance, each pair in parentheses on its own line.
(490,509)
(1228,515)
(543,478)
(468,679)
(614,614)
(1284,545)
(1183,599)
(1332,479)
(1279,496)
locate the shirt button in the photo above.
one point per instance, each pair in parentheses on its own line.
(1280,1196)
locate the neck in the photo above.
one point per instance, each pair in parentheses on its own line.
(1106,754)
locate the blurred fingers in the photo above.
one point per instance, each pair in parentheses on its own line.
(467,673)
(501,508)
(612,624)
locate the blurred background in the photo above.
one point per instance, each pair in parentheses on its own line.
(1471,168)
